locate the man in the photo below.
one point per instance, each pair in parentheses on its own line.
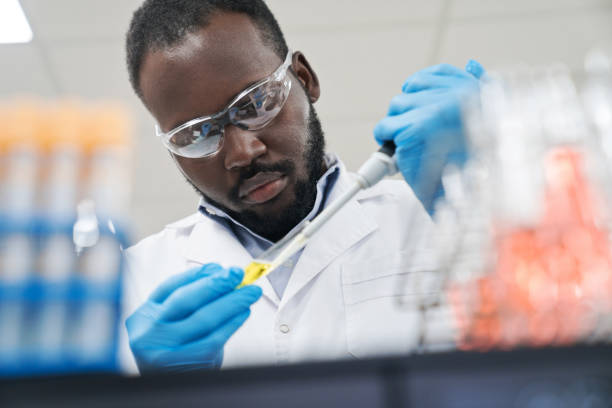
(234,106)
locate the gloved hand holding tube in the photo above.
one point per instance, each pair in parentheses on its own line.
(188,319)
(424,122)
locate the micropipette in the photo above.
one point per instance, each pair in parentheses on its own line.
(379,165)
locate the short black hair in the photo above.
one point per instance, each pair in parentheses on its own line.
(159,24)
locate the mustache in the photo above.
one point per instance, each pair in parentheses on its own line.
(286,167)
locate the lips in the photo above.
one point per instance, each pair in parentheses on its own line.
(262,187)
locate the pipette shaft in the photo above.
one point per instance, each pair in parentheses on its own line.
(379,165)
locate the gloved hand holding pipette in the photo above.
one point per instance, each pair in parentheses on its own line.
(188,319)
(425,123)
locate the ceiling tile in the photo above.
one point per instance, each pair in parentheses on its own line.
(23,70)
(533,40)
(296,15)
(79,20)
(460,9)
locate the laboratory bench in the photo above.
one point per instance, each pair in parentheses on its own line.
(578,376)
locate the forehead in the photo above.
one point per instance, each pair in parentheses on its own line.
(201,74)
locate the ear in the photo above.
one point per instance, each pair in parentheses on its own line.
(306,75)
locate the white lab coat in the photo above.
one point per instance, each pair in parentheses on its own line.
(340,301)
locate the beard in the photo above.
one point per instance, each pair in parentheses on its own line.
(276,225)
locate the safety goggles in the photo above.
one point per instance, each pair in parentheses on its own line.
(253,109)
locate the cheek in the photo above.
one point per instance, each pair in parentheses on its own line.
(291,125)
(204,174)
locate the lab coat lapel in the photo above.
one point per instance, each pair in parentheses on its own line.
(209,241)
(347,227)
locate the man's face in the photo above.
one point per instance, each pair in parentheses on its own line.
(266,178)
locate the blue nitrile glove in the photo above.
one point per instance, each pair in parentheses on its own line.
(424,121)
(188,318)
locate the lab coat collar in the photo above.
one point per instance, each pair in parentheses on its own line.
(346,228)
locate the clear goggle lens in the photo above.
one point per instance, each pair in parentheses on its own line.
(252,110)
(257,108)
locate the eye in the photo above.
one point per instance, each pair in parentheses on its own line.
(182,138)
(245,109)
(256,109)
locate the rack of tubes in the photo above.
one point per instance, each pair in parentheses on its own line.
(64,184)
(523,238)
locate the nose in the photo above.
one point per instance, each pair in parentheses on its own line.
(241,147)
